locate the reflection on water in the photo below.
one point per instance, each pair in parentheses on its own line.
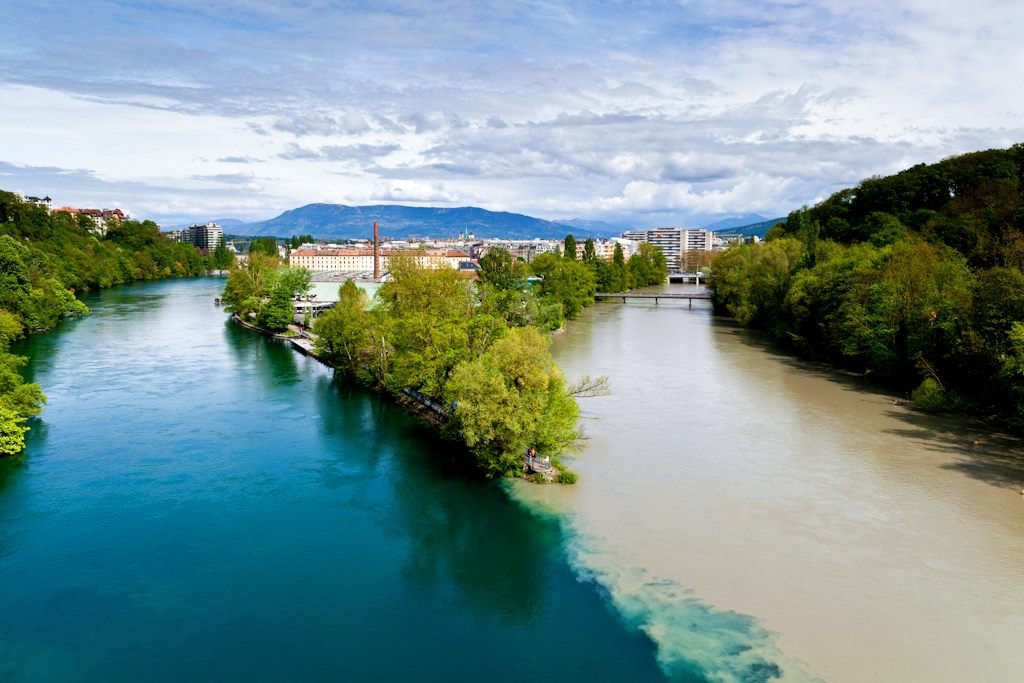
(751,511)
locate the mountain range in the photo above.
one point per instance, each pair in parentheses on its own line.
(339,221)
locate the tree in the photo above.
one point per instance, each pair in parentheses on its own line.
(510,398)
(647,266)
(501,270)
(569,283)
(222,258)
(570,248)
(296,281)
(297,241)
(589,252)
(266,246)
(276,313)
(619,280)
(342,332)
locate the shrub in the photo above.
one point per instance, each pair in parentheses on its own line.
(567,477)
(929,396)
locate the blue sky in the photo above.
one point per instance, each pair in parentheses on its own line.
(638,113)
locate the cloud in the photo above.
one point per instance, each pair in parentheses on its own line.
(201,197)
(349,123)
(415,192)
(669,109)
(361,153)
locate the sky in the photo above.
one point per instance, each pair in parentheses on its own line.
(636,113)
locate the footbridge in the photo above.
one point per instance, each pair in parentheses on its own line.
(622,296)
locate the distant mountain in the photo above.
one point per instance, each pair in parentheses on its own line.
(737,221)
(594,228)
(758,229)
(231,225)
(341,221)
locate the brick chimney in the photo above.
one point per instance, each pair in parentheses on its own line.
(376,254)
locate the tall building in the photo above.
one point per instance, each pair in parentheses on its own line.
(203,236)
(674,241)
(698,240)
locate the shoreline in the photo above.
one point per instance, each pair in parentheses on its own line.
(408,400)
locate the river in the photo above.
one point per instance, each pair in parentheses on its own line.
(199,502)
(748,509)
(202,503)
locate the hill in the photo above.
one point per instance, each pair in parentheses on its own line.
(759,228)
(728,223)
(341,221)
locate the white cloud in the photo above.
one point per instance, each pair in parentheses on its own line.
(680,109)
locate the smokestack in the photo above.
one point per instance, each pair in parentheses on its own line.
(376,253)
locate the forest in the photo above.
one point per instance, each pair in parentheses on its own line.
(45,260)
(914,280)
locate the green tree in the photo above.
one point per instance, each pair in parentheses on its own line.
(222,258)
(569,283)
(342,332)
(510,398)
(276,313)
(619,280)
(570,248)
(266,246)
(501,270)
(589,253)
(296,281)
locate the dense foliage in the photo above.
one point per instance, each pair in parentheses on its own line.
(477,348)
(473,347)
(298,240)
(262,291)
(44,259)
(267,246)
(914,279)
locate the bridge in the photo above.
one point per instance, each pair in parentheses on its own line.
(689,296)
(342,275)
(687,277)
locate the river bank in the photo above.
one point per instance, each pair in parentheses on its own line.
(539,470)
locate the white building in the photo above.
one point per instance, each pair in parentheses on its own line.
(674,241)
(203,235)
(361,260)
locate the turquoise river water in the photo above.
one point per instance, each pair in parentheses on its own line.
(202,503)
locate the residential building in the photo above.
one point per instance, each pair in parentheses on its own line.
(204,236)
(674,242)
(101,218)
(44,202)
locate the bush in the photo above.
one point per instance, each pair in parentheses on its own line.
(567,477)
(929,396)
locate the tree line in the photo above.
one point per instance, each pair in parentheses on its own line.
(45,259)
(913,279)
